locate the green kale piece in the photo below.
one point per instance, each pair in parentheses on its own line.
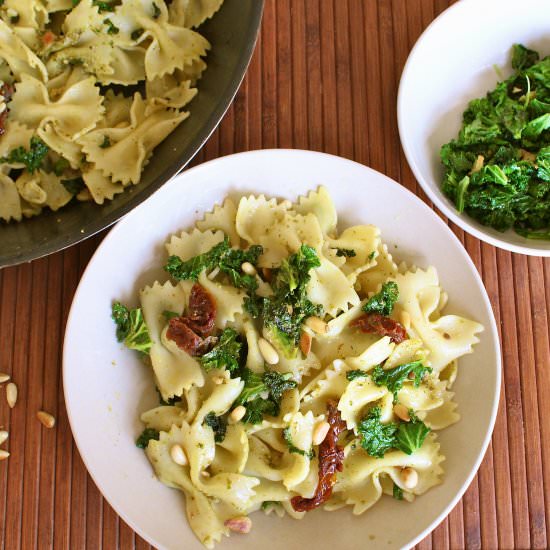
(376,438)
(394,378)
(106,140)
(397,492)
(495,170)
(60,166)
(74,185)
(384,301)
(111,29)
(218,425)
(225,354)
(103,6)
(292,448)
(31,158)
(355,374)
(411,435)
(522,57)
(266,504)
(131,328)
(346,252)
(262,393)
(284,312)
(143,440)
(169,314)
(220,255)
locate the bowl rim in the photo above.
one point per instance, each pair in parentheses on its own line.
(63,241)
(492,329)
(462,220)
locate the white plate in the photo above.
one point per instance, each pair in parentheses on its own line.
(107,387)
(452,63)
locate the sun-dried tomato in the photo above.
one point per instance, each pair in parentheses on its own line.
(331,460)
(184,336)
(380,324)
(6,91)
(191,332)
(202,310)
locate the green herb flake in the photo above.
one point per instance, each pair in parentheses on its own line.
(293,449)
(346,252)
(218,425)
(60,166)
(356,374)
(397,492)
(111,29)
(32,158)
(106,142)
(143,440)
(74,185)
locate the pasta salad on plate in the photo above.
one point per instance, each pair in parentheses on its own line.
(297,366)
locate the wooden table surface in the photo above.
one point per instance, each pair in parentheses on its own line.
(324,76)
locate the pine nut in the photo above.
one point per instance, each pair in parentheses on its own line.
(218,380)
(409,477)
(237,413)
(4,377)
(478,164)
(46,419)
(204,473)
(11,394)
(4,454)
(305,343)
(241,524)
(213,273)
(3,436)
(270,355)
(406,320)
(317,325)
(248,268)
(177,454)
(401,412)
(320,432)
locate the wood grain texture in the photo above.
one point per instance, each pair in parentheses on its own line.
(324,77)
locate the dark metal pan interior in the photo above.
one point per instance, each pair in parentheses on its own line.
(232,33)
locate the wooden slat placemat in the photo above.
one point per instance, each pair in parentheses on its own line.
(324,77)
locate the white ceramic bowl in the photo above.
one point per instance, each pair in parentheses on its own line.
(452,63)
(107,386)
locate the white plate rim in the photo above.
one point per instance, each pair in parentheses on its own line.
(462,220)
(311,154)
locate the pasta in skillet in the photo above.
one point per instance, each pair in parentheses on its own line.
(297,366)
(64,132)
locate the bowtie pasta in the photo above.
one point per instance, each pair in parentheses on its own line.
(296,366)
(65,131)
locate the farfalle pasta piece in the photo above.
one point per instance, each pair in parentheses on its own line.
(360,242)
(356,396)
(330,287)
(167,47)
(202,517)
(192,13)
(222,218)
(10,203)
(447,337)
(320,204)
(174,369)
(279,231)
(16,135)
(100,186)
(130,146)
(231,453)
(20,58)
(189,244)
(76,112)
